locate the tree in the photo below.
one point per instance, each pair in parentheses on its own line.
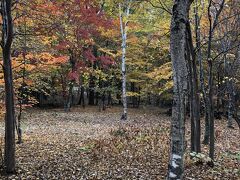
(213,16)
(7,37)
(123,15)
(180,78)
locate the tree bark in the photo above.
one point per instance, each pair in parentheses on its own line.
(180,79)
(195,91)
(91,91)
(123,26)
(7,37)
(82,98)
(212,25)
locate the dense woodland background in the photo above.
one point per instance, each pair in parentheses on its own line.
(120,89)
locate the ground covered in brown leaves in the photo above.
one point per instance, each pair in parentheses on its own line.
(87,144)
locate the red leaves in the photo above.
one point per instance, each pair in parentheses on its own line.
(89,56)
(83,33)
(63,45)
(73,76)
(106,61)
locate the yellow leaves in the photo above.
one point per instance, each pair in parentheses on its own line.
(47,40)
(45,56)
(110,52)
(131,94)
(100,74)
(109,33)
(133,40)
(163,72)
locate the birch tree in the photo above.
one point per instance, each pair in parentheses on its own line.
(124,10)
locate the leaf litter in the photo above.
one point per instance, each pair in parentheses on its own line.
(87,144)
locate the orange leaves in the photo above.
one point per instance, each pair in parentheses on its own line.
(46,58)
(51,7)
(60,60)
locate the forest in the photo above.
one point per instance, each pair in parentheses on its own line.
(120,89)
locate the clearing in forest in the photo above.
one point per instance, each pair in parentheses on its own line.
(87,144)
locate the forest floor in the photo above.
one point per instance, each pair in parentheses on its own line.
(87,144)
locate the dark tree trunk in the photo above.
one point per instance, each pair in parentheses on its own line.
(82,98)
(206,131)
(7,37)
(103,101)
(230,103)
(212,25)
(91,91)
(201,71)
(139,97)
(68,104)
(23,99)
(190,100)
(109,99)
(195,91)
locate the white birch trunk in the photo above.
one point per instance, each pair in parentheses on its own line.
(123,26)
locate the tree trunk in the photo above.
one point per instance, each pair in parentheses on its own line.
(210,105)
(206,130)
(180,75)
(68,104)
(7,37)
(82,98)
(195,91)
(123,25)
(230,103)
(190,100)
(109,99)
(201,71)
(91,91)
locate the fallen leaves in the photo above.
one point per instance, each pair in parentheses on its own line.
(87,144)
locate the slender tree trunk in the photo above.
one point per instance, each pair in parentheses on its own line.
(22,97)
(201,71)
(103,101)
(180,75)
(210,87)
(82,99)
(91,90)
(212,25)
(7,37)
(139,97)
(230,103)
(211,110)
(229,91)
(70,97)
(123,25)
(195,90)
(109,99)
(190,100)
